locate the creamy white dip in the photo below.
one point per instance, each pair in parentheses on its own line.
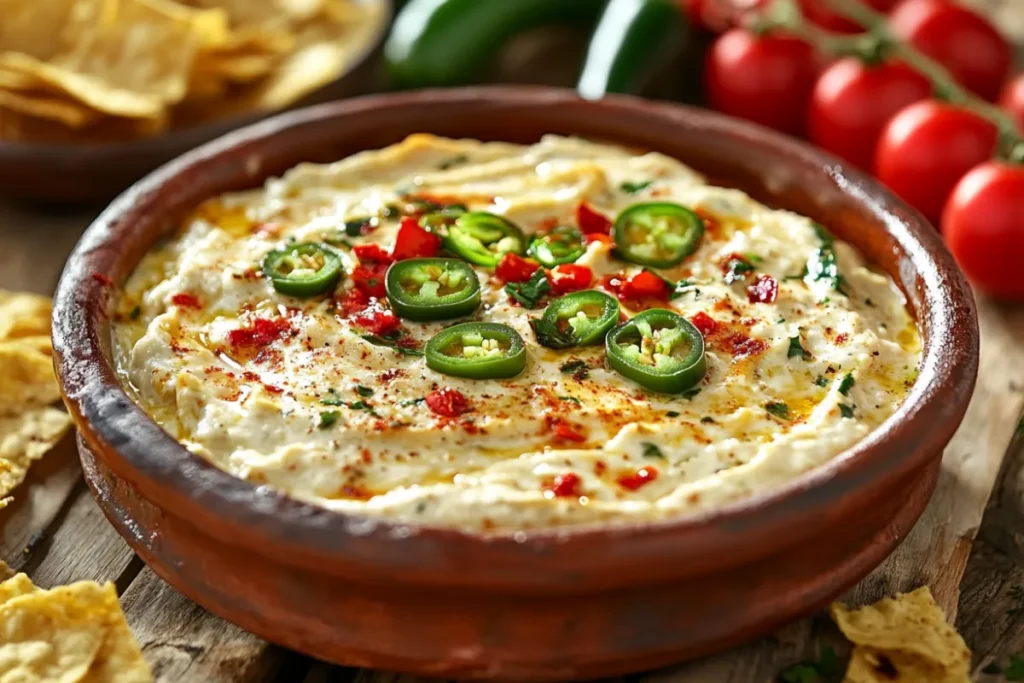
(765,412)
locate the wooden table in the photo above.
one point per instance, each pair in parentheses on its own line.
(56,533)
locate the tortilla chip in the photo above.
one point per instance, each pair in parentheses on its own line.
(26,375)
(904,638)
(34,28)
(24,315)
(26,438)
(5,572)
(70,634)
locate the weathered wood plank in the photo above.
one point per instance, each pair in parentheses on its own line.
(34,246)
(186,644)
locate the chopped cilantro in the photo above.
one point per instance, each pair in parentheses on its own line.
(778,409)
(362,405)
(577,368)
(390,211)
(357,226)
(328,418)
(846,384)
(671,413)
(332,401)
(822,266)
(365,392)
(135,313)
(550,336)
(754,258)
(846,410)
(530,293)
(824,236)
(454,161)
(391,343)
(780,321)
(632,188)
(690,393)
(652,451)
(796,349)
(737,269)
(411,401)
(570,398)
(708,420)
(821,381)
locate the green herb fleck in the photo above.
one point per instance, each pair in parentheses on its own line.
(390,211)
(530,293)
(328,418)
(357,226)
(570,398)
(846,410)
(652,451)
(778,409)
(577,368)
(708,420)
(365,392)
(135,313)
(754,258)
(824,236)
(632,188)
(362,405)
(780,321)
(391,343)
(332,401)
(796,349)
(411,401)
(549,335)
(671,413)
(846,384)
(822,266)
(690,393)
(821,381)
(454,161)
(737,268)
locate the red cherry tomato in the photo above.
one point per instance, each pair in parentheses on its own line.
(960,39)
(1012,99)
(818,12)
(852,102)
(413,241)
(719,15)
(925,150)
(983,224)
(766,79)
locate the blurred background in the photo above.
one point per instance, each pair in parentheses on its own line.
(920,93)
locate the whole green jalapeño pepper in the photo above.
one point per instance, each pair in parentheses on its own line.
(303,270)
(483,238)
(657,234)
(577,319)
(658,350)
(423,289)
(564,244)
(477,351)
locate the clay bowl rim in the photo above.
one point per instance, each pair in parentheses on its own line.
(237,512)
(186,137)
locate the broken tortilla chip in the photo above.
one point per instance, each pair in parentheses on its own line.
(904,638)
(24,439)
(69,634)
(24,315)
(26,374)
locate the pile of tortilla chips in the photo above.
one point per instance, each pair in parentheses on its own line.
(29,425)
(69,634)
(905,639)
(100,70)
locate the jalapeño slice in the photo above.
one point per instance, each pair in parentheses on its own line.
(564,244)
(483,238)
(432,288)
(658,350)
(657,234)
(304,269)
(577,319)
(477,351)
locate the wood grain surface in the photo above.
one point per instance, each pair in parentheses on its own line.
(56,533)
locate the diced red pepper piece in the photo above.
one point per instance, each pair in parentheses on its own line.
(644,475)
(566,485)
(567,431)
(186,300)
(591,222)
(612,284)
(569,277)
(448,402)
(741,346)
(414,242)
(764,290)
(370,279)
(598,237)
(704,323)
(371,254)
(377,320)
(260,332)
(354,301)
(515,268)
(645,285)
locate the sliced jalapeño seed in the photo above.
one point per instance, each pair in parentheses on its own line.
(659,350)
(477,351)
(423,289)
(657,234)
(303,270)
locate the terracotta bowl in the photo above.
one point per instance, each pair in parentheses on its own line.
(91,173)
(541,605)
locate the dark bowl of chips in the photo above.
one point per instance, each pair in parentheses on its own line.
(95,94)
